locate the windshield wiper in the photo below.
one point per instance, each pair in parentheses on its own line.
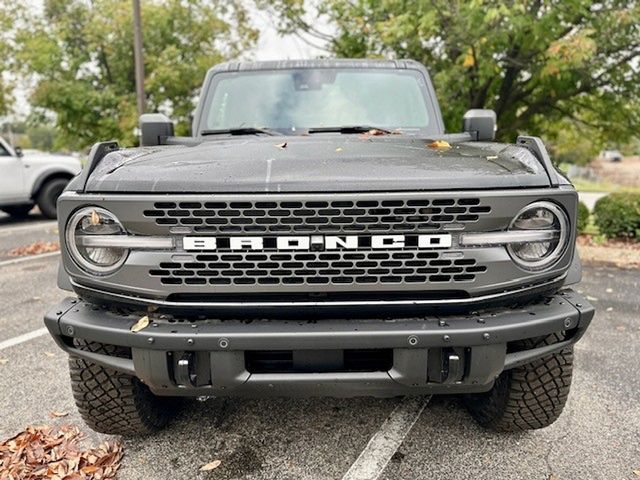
(240,131)
(348,129)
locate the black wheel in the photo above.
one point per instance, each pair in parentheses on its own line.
(528,397)
(18,211)
(48,196)
(115,403)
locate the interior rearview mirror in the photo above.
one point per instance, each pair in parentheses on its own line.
(154,129)
(480,124)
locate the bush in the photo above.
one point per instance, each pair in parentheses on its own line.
(583,217)
(618,215)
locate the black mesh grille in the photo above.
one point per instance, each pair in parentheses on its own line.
(343,216)
(318,268)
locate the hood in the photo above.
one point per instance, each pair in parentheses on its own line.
(316,163)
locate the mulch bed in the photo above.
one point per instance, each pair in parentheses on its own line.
(620,253)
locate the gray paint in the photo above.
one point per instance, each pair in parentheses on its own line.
(318,163)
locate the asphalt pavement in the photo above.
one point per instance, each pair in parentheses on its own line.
(597,437)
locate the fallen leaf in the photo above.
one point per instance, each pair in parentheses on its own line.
(637,472)
(592,299)
(621,328)
(50,354)
(282,145)
(439,144)
(140,324)
(210,466)
(95,218)
(58,414)
(609,290)
(35,248)
(339,149)
(3,361)
(609,309)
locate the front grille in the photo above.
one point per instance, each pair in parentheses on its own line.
(343,216)
(319,268)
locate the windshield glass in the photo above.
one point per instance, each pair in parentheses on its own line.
(293,100)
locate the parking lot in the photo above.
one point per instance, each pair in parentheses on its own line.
(597,437)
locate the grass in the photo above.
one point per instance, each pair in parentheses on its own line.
(589,186)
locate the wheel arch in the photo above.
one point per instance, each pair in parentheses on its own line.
(47,176)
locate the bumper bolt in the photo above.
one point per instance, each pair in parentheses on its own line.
(223,343)
(190,341)
(579,305)
(567,322)
(486,336)
(150,340)
(446,338)
(442,323)
(480,320)
(70,331)
(413,340)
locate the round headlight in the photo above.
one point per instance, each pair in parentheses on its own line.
(539,255)
(91,221)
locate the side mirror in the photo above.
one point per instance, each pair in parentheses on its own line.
(154,129)
(480,123)
(18,151)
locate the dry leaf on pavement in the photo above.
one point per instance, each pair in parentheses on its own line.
(210,466)
(282,145)
(58,414)
(57,452)
(140,324)
(439,145)
(35,248)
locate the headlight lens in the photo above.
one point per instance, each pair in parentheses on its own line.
(94,221)
(540,255)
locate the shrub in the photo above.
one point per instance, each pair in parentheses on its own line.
(618,215)
(583,217)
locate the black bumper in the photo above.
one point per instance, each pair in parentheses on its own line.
(210,357)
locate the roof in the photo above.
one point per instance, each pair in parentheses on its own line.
(318,63)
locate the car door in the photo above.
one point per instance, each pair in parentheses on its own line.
(11,176)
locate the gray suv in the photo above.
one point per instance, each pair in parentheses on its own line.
(319,235)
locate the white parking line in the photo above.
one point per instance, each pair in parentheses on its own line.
(28,258)
(25,337)
(386,441)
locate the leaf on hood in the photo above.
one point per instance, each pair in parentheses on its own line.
(140,324)
(210,466)
(439,144)
(282,145)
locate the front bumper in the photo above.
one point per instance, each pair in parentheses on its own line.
(426,355)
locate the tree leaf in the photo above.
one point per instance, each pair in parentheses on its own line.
(439,145)
(210,466)
(140,324)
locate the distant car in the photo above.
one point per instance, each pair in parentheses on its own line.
(612,155)
(37,178)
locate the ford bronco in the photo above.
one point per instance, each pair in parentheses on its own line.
(319,234)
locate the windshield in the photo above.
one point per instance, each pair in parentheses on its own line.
(298,100)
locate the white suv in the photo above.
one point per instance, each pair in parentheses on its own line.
(38,178)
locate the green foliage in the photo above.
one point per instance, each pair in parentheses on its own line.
(535,63)
(80,56)
(618,215)
(583,217)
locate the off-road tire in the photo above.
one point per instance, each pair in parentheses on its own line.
(18,211)
(113,402)
(48,196)
(528,397)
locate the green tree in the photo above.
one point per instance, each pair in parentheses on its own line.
(80,55)
(535,62)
